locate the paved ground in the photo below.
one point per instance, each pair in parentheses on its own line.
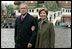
(62,38)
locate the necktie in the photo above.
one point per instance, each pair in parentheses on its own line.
(22,19)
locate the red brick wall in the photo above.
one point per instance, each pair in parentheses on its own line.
(67,19)
(66,6)
(32,6)
(64,1)
(61,5)
(50,1)
(59,1)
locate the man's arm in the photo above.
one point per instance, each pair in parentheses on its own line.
(29,44)
(34,31)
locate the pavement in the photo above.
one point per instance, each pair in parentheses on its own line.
(62,38)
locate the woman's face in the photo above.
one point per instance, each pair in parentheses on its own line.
(43,14)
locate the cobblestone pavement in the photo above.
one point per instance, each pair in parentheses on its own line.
(62,38)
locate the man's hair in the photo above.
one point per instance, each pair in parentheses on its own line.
(24,4)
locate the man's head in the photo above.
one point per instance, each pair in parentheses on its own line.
(23,8)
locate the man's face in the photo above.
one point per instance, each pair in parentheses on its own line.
(23,9)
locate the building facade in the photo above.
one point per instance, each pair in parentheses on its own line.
(34,7)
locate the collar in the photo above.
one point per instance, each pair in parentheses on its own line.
(24,15)
(46,21)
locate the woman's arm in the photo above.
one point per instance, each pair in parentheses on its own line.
(52,36)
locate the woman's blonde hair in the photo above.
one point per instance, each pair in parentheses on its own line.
(43,9)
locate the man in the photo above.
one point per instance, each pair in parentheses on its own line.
(24,35)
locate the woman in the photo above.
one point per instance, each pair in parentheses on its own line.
(46,34)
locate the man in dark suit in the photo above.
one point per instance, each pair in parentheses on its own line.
(24,36)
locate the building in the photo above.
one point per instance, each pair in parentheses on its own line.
(64,14)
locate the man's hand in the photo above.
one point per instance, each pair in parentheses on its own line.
(29,45)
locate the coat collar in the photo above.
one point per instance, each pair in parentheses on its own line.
(25,17)
(46,21)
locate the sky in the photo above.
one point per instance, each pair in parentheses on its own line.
(8,2)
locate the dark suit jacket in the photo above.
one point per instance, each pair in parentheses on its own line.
(23,32)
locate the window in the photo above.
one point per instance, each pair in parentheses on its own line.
(66,10)
(63,19)
(63,10)
(54,16)
(58,13)
(30,10)
(37,10)
(50,18)
(56,23)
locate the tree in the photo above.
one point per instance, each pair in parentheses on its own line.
(10,10)
(3,8)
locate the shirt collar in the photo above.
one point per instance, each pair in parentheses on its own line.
(24,15)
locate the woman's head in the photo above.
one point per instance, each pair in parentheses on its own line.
(43,13)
